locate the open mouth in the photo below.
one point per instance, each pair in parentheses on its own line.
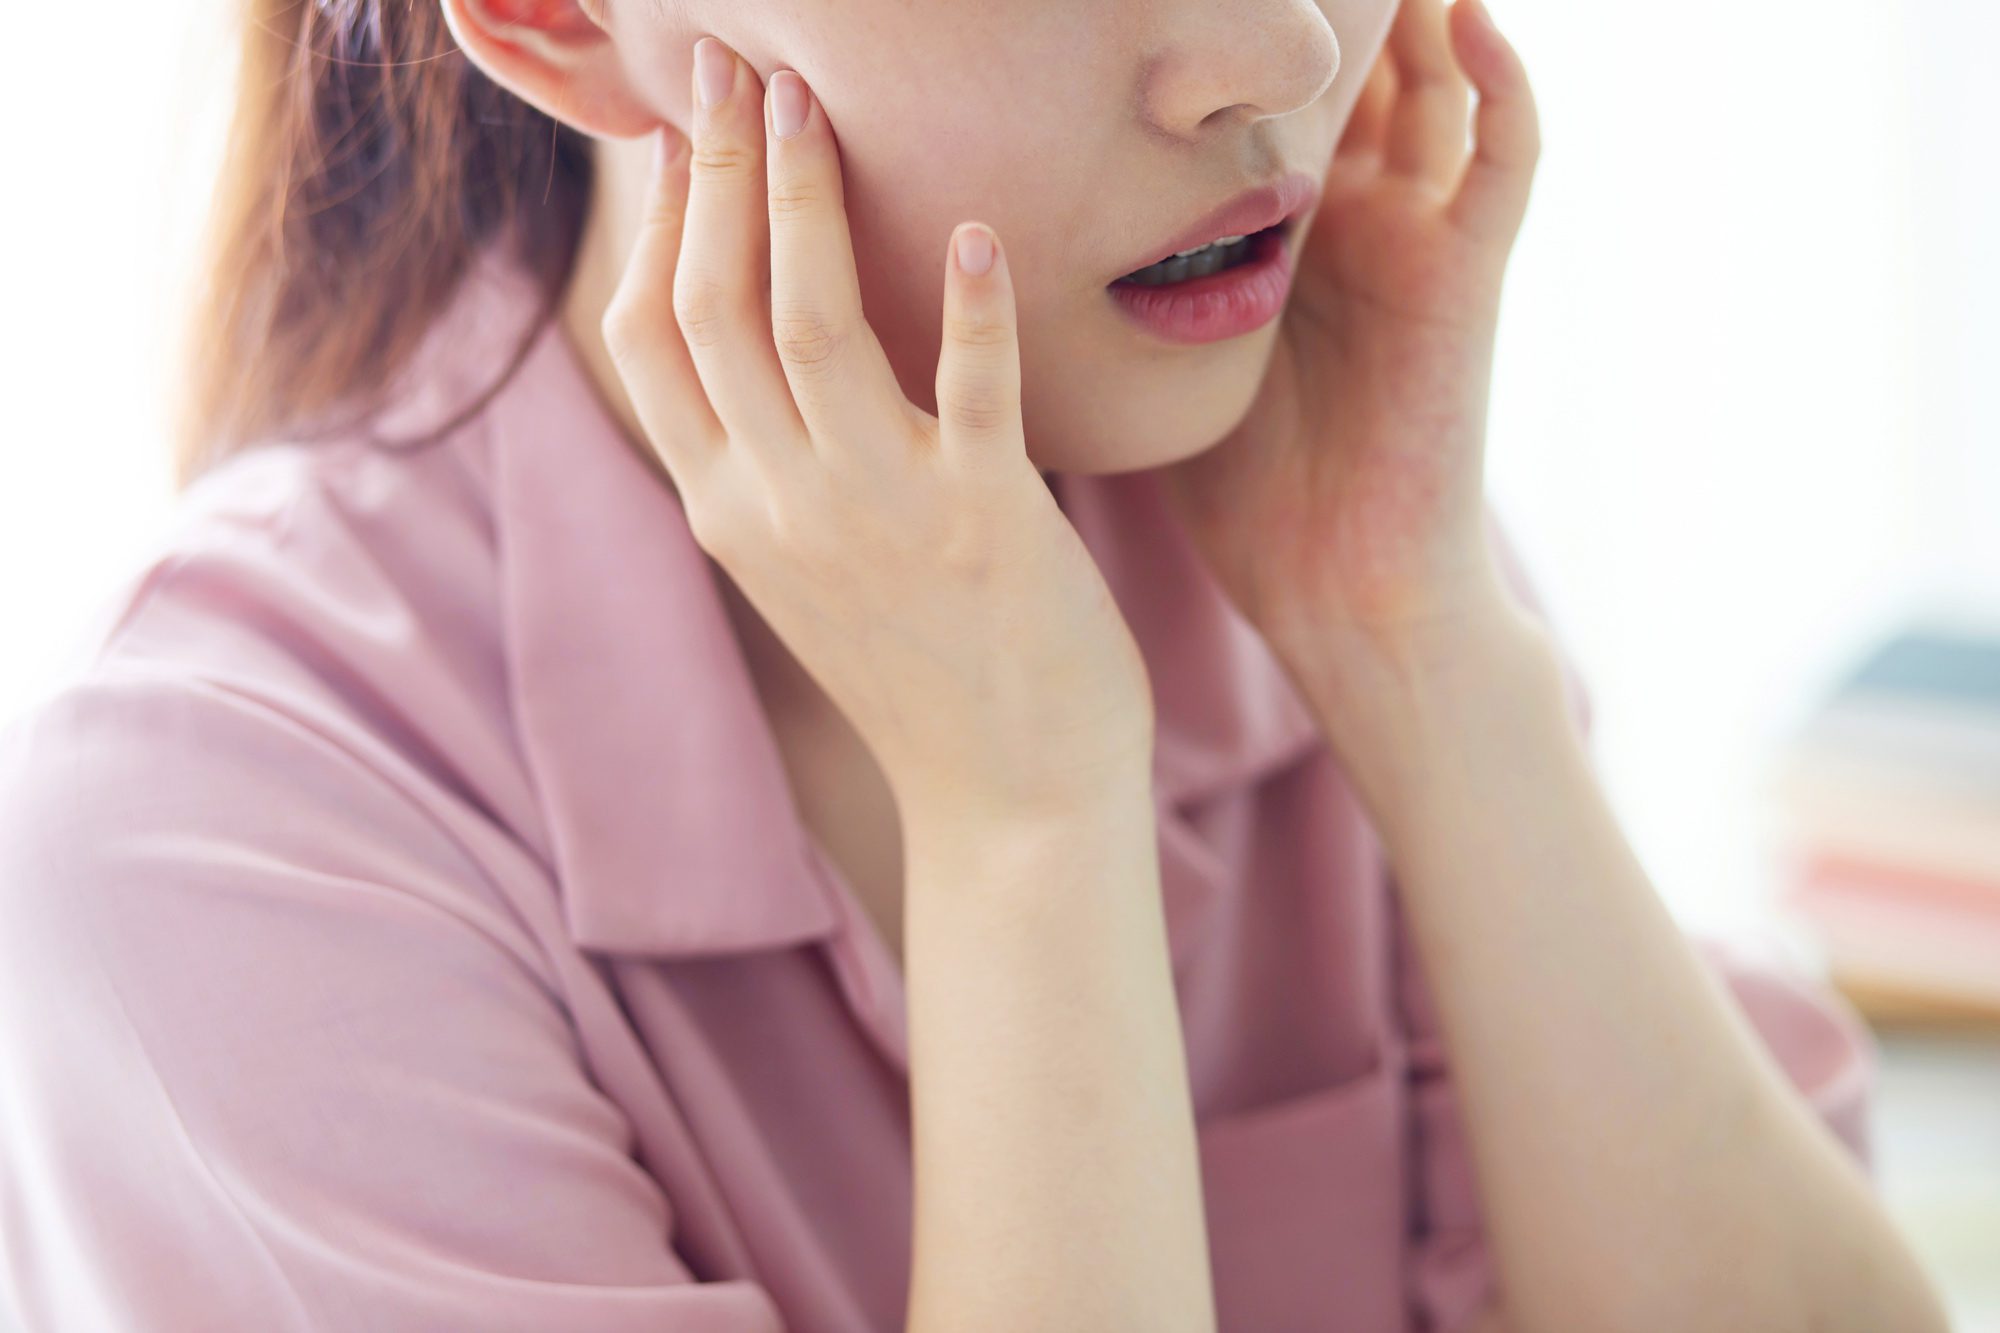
(1218,255)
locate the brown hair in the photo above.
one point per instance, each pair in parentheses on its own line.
(368,162)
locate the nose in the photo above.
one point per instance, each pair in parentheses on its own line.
(1218,63)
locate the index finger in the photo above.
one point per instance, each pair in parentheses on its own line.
(841,379)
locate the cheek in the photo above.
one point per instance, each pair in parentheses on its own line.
(910,178)
(916,162)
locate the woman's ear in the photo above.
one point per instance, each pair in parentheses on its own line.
(559,56)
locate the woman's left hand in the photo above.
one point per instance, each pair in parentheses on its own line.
(1344,514)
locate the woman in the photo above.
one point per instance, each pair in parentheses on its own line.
(703,811)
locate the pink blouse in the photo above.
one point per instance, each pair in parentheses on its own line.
(406,926)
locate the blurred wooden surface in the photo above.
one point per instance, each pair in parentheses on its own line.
(1891,1007)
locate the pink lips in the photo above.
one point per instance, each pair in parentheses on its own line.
(1290,195)
(1225,304)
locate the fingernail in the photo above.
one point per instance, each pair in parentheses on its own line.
(975,250)
(788,103)
(714,71)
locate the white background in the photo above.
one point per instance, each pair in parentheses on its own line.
(1743,416)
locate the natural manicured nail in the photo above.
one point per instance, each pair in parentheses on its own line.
(975,250)
(714,71)
(789,103)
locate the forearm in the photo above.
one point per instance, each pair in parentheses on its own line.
(1643,1164)
(1057,1175)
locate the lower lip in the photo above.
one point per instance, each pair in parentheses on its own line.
(1221,305)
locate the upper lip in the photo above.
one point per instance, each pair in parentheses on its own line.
(1279,200)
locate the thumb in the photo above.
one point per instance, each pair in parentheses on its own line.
(979,366)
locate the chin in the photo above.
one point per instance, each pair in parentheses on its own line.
(1147,425)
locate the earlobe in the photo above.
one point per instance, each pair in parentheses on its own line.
(558,56)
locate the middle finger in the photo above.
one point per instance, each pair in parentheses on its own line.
(841,379)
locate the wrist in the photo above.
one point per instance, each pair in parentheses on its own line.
(956,821)
(1404,713)
(1030,793)
(1342,668)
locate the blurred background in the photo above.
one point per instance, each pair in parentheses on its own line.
(1745,432)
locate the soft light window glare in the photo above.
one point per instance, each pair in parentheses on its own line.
(1703,424)
(116,133)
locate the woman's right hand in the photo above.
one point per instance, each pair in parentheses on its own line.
(916,565)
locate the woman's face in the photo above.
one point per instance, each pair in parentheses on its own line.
(1087,133)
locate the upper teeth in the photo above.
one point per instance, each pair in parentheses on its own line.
(1220,240)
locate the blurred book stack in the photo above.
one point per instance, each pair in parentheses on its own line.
(1884,826)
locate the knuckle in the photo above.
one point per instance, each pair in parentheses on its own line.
(717,533)
(709,532)
(715,521)
(628,333)
(807,339)
(701,308)
(664,212)
(978,334)
(795,197)
(721,161)
(978,410)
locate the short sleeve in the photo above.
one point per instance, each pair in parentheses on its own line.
(1815,1037)
(272,1057)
